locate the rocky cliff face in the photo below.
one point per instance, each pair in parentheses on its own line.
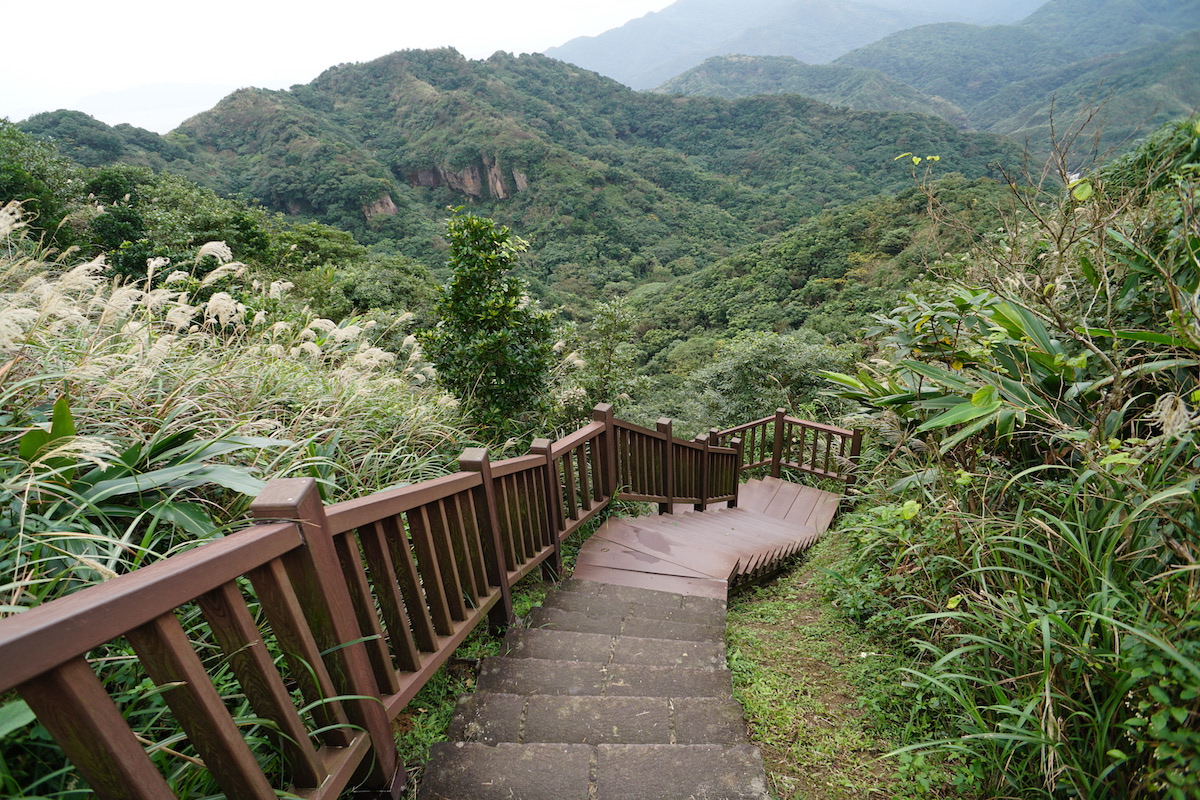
(473,180)
(384,206)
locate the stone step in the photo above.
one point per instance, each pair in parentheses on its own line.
(604,649)
(493,717)
(472,771)
(603,607)
(530,676)
(641,595)
(559,619)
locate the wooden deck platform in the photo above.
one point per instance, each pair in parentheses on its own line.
(705,553)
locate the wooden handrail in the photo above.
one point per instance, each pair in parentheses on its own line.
(361,601)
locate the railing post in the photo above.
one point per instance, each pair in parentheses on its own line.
(603,412)
(668,465)
(551,567)
(736,444)
(320,585)
(855,453)
(475,459)
(703,439)
(777,447)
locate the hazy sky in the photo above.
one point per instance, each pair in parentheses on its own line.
(154,63)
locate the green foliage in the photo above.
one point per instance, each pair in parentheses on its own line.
(850,87)
(1040,426)
(756,373)
(492,345)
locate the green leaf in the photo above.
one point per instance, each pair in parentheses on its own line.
(32,443)
(963,412)
(62,424)
(984,397)
(13,715)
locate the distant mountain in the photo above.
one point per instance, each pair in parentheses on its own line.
(1134,92)
(647,51)
(851,87)
(611,186)
(1136,56)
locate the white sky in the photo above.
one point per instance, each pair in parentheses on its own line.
(154,63)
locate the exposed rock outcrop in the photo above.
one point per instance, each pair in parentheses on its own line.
(384,206)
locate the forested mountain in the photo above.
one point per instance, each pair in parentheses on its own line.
(850,87)
(1136,58)
(612,186)
(647,51)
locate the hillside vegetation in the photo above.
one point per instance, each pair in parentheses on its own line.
(644,52)
(850,87)
(611,187)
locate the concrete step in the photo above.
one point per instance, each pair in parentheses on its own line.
(601,607)
(558,619)
(531,676)
(648,596)
(472,771)
(604,649)
(493,717)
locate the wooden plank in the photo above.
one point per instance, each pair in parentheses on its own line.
(409,581)
(361,599)
(74,706)
(239,637)
(430,571)
(599,553)
(387,593)
(351,514)
(41,638)
(274,591)
(166,653)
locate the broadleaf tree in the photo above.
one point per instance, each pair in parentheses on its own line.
(493,346)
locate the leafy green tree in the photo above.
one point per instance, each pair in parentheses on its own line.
(758,372)
(492,346)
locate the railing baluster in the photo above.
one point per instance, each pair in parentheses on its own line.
(286,615)
(165,651)
(239,637)
(475,459)
(391,602)
(409,580)
(364,611)
(72,703)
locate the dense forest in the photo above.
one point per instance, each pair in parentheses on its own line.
(354,279)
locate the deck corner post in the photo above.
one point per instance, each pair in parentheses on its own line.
(736,444)
(704,439)
(603,412)
(552,567)
(668,466)
(475,459)
(855,456)
(777,447)
(320,584)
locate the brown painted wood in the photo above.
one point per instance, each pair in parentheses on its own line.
(430,571)
(369,625)
(409,582)
(72,703)
(387,593)
(693,587)
(41,638)
(330,614)
(308,669)
(351,514)
(165,651)
(498,561)
(239,637)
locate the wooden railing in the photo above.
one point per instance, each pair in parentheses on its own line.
(329,619)
(783,442)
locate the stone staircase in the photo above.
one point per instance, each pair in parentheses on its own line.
(617,687)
